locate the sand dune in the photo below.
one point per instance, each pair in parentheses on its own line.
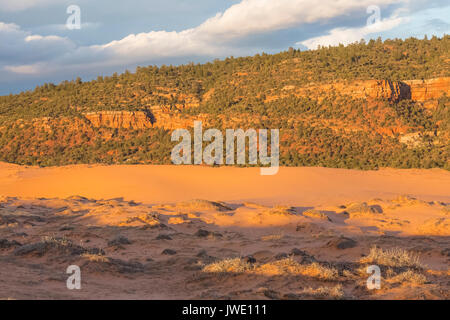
(307,233)
(161,184)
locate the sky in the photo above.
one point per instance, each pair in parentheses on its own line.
(38,41)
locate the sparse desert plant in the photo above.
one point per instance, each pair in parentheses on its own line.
(151,219)
(289,266)
(236,265)
(280,210)
(361,209)
(316,214)
(58,242)
(279,267)
(325,292)
(395,257)
(409,277)
(349,275)
(199,204)
(318,271)
(95,257)
(254,205)
(272,237)
(55,245)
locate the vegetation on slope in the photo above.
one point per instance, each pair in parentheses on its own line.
(331,129)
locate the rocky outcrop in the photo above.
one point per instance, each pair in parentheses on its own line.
(121,119)
(417,90)
(427,91)
(431,89)
(156,118)
(374,89)
(382,89)
(174,120)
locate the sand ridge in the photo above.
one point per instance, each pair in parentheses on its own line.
(162,184)
(223,233)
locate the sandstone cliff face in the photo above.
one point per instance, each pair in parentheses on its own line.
(417,90)
(374,89)
(379,89)
(157,118)
(173,120)
(427,91)
(120,119)
(423,90)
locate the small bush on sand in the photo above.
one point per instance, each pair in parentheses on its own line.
(286,266)
(272,237)
(316,214)
(95,257)
(325,292)
(281,211)
(362,209)
(57,242)
(392,257)
(236,265)
(409,277)
(289,266)
(318,271)
(202,205)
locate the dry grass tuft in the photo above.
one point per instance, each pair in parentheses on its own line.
(362,209)
(281,211)
(202,205)
(286,266)
(318,271)
(236,265)
(272,237)
(409,277)
(57,242)
(325,292)
(396,257)
(151,219)
(316,214)
(254,205)
(95,257)
(279,267)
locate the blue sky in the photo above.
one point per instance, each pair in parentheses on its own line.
(37,47)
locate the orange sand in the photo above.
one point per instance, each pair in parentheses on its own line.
(162,184)
(170,245)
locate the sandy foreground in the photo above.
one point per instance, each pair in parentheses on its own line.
(167,232)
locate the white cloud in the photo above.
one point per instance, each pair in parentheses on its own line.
(34,54)
(19,5)
(24,69)
(349,35)
(37,37)
(21,49)
(8,27)
(253,16)
(243,19)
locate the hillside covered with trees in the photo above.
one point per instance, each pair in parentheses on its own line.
(325,102)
